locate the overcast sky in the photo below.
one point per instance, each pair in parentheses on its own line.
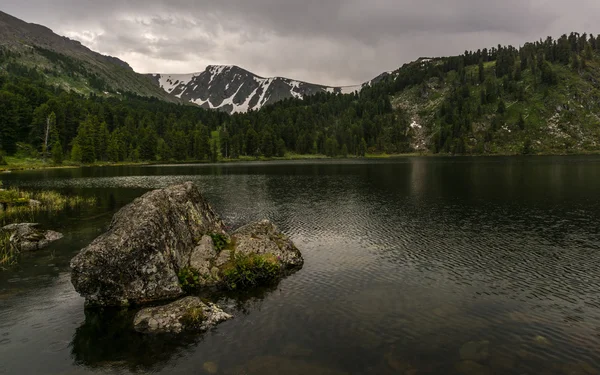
(334,42)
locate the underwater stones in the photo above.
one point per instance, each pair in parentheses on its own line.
(472,368)
(28,237)
(187,314)
(210,367)
(542,341)
(478,351)
(281,365)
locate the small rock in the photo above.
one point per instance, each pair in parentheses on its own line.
(478,351)
(210,367)
(263,237)
(27,237)
(189,314)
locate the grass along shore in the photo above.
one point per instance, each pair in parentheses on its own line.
(18,206)
(19,164)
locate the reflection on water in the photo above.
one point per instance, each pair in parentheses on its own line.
(413,266)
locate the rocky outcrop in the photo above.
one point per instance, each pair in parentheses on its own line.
(147,244)
(264,238)
(161,245)
(28,237)
(187,314)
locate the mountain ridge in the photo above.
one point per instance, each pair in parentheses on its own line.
(70,64)
(233,89)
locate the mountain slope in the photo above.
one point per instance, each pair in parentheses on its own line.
(233,89)
(69,64)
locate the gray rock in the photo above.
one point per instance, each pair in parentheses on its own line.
(478,351)
(146,245)
(187,314)
(160,234)
(264,238)
(202,255)
(28,237)
(224,257)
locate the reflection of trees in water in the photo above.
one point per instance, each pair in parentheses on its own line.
(107,339)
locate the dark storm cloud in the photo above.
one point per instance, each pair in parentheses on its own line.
(328,41)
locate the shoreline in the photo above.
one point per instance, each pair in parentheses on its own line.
(36,164)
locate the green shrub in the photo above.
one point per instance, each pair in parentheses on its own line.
(220,241)
(189,279)
(246,271)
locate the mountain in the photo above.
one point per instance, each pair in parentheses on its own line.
(232,89)
(69,64)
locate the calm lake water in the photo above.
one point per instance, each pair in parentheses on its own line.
(407,261)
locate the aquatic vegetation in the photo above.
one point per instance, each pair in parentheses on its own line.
(246,271)
(18,205)
(8,251)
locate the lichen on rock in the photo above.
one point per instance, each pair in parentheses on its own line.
(187,314)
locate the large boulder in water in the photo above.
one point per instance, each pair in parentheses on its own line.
(164,242)
(138,259)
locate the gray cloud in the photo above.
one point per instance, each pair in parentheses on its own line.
(324,41)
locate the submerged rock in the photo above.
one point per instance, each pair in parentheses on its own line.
(187,314)
(478,351)
(146,245)
(165,239)
(28,237)
(281,365)
(472,368)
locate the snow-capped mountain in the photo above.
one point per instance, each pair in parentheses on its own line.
(232,89)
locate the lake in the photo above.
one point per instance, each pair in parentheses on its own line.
(412,266)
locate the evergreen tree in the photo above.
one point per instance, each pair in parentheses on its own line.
(76,153)
(57,153)
(481,71)
(362,148)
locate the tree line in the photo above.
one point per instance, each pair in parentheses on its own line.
(38,118)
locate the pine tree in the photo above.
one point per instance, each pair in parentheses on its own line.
(362,148)
(76,154)
(481,71)
(57,153)
(521,122)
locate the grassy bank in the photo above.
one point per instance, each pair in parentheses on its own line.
(17,164)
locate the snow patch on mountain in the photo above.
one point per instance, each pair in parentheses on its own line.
(235,90)
(171,81)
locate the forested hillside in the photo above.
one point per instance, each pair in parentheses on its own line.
(540,98)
